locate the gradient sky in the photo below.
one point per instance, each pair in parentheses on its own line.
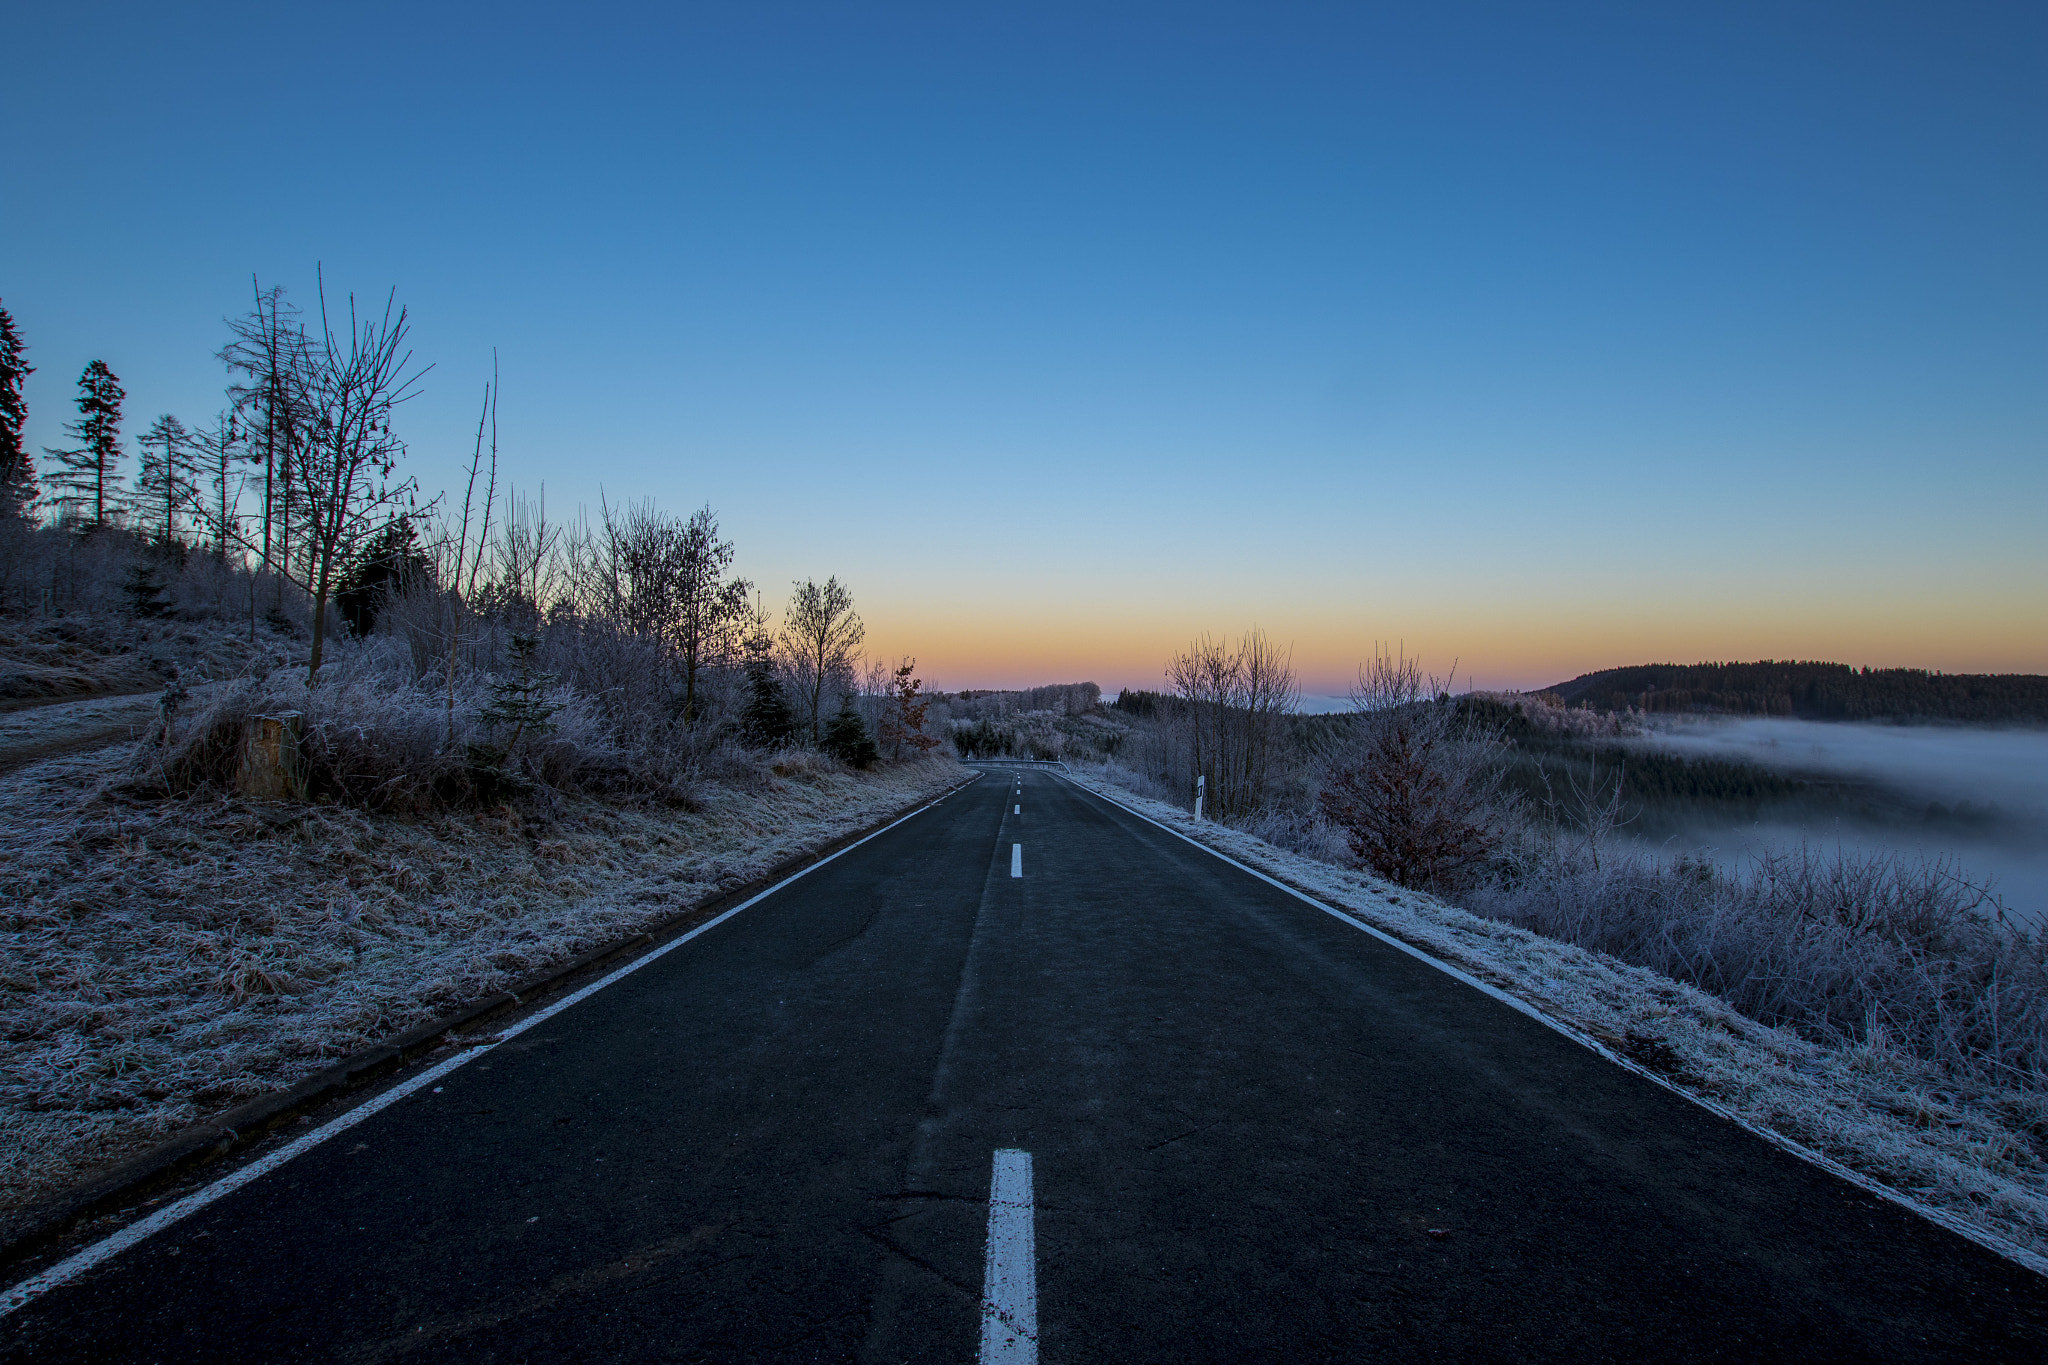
(1542,337)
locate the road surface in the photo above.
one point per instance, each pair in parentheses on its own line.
(1219,1125)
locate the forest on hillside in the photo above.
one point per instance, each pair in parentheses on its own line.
(1812,691)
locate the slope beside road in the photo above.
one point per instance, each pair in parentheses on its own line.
(1236,1128)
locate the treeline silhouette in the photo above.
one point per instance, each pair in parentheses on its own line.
(1812,691)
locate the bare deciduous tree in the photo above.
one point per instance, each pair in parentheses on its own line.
(1232,705)
(216,505)
(819,634)
(344,480)
(665,579)
(525,557)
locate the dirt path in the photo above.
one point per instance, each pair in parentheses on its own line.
(12,705)
(47,727)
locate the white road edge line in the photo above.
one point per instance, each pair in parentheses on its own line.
(1016,860)
(1009,1282)
(1990,1241)
(78,1263)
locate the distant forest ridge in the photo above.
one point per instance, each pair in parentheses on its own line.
(1812,691)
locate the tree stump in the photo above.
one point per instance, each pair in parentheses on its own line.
(271,769)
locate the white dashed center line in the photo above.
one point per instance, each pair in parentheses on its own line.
(1009,1286)
(1016,860)
(1019,810)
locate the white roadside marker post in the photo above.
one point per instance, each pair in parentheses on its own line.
(1201,790)
(1009,1286)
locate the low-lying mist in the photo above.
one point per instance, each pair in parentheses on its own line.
(1976,795)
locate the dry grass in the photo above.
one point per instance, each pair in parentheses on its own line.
(161,960)
(76,655)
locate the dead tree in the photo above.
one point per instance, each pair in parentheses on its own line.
(269,348)
(468,554)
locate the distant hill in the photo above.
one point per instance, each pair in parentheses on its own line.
(1813,691)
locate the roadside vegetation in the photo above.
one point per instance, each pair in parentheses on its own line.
(395,749)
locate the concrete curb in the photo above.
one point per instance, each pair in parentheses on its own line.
(36,1225)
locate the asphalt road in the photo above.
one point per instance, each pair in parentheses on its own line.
(1254,1133)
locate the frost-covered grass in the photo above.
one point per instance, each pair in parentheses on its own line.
(79,655)
(1963,1146)
(1845,948)
(163,959)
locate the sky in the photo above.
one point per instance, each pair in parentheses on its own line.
(1534,339)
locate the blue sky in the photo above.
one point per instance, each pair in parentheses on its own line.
(1543,338)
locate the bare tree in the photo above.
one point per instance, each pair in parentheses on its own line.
(344,480)
(1232,708)
(269,348)
(632,565)
(526,558)
(1596,807)
(665,579)
(819,634)
(216,505)
(464,554)
(1418,798)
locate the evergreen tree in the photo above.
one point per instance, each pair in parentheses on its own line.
(521,702)
(766,722)
(145,595)
(17,472)
(392,562)
(847,738)
(89,479)
(165,482)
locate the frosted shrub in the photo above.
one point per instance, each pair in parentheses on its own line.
(1850,949)
(373,741)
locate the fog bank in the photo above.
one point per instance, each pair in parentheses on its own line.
(2000,773)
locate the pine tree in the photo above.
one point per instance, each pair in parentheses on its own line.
(766,722)
(89,478)
(392,562)
(519,701)
(17,471)
(165,483)
(145,595)
(847,738)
